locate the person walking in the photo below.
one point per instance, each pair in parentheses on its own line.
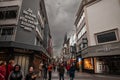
(68,68)
(16,74)
(50,71)
(45,70)
(9,68)
(54,66)
(61,71)
(41,70)
(2,70)
(31,74)
(72,72)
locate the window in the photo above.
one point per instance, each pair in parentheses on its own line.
(107,36)
(8,13)
(82,32)
(0,30)
(11,14)
(37,41)
(81,19)
(7,31)
(2,15)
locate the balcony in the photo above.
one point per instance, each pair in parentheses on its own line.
(6,38)
(6,3)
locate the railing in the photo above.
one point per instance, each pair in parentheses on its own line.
(6,37)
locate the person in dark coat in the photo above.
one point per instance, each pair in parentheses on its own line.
(45,70)
(16,74)
(31,74)
(72,72)
(61,71)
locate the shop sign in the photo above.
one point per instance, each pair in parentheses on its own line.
(28,20)
(22,50)
(107,49)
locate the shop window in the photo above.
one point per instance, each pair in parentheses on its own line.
(88,64)
(107,36)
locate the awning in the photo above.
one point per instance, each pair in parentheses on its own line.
(23,46)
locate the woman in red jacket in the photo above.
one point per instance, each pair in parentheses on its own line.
(2,70)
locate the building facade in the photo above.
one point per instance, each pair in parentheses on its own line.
(22,32)
(66,48)
(98,32)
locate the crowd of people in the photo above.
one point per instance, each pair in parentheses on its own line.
(61,68)
(14,72)
(70,68)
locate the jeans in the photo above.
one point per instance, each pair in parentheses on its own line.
(71,78)
(50,75)
(61,76)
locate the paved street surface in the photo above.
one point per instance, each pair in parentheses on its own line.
(86,76)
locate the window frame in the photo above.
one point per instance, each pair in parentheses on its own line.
(11,8)
(6,34)
(108,31)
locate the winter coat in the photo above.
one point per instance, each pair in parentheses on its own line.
(68,67)
(61,70)
(2,77)
(2,72)
(16,75)
(72,71)
(10,68)
(30,76)
(50,68)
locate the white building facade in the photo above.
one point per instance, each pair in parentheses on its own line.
(98,32)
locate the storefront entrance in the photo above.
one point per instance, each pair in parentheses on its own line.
(109,64)
(23,61)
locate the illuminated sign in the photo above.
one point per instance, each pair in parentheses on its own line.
(79,59)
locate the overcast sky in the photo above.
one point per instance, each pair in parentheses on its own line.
(61,17)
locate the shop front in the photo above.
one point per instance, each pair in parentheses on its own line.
(107,65)
(88,65)
(103,59)
(24,55)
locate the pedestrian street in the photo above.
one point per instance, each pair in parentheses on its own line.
(86,76)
